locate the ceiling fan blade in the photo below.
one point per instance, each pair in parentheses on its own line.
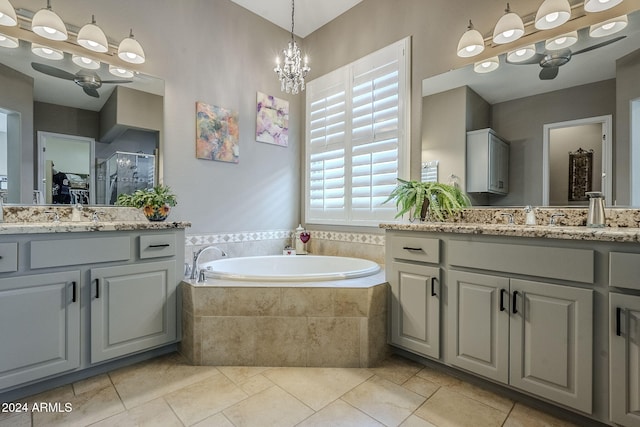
(549,73)
(52,71)
(535,59)
(117,81)
(596,46)
(91,91)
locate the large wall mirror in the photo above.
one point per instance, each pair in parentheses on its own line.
(584,119)
(84,141)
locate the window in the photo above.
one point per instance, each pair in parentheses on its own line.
(357,140)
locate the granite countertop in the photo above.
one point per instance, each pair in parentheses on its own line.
(84,226)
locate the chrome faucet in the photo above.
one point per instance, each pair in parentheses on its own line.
(552,220)
(56,216)
(196,257)
(510,215)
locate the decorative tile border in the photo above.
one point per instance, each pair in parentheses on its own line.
(242,236)
(340,236)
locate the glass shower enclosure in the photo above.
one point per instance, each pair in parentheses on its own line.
(124,173)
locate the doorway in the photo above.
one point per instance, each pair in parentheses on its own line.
(65,168)
(576,159)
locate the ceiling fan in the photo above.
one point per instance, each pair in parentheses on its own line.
(551,61)
(88,81)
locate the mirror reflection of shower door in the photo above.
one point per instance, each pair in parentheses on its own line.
(65,165)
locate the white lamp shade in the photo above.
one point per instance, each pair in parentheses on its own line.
(521,54)
(509,28)
(46,52)
(46,23)
(552,14)
(120,72)
(7,14)
(85,62)
(562,42)
(600,5)
(93,38)
(131,51)
(608,27)
(487,66)
(471,43)
(8,41)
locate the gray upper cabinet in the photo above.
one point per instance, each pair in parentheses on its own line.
(487,162)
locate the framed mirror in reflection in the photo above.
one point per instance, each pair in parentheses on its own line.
(545,119)
(69,134)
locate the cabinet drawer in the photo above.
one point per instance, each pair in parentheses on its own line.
(624,270)
(415,248)
(58,253)
(8,257)
(156,246)
(557,263)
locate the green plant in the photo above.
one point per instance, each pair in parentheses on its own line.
(439,200)
(156,197)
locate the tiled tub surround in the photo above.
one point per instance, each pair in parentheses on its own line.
(324,324)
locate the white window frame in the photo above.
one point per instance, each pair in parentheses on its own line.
(343,78)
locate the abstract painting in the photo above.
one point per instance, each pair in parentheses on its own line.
(272,125)
(216,133)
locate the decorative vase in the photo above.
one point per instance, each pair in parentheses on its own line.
(156,213)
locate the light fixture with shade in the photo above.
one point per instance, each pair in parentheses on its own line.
(130,50)
(120,72)
(292,72)
(487,66)
(608,27)
(92,37)
(471,43)
(552,14)
(562,41)
(8,41)
(48,24)
(521,54)
(8,16)
(85,62)
(509,27)
(600,5)
(46,52)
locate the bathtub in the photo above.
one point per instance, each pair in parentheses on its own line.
(288,268)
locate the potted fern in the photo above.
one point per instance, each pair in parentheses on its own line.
(428,200)
(155,202)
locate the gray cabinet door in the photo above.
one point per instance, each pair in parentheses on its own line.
(624,362)
(551,342)
(478,330)
(40,326)
(415,308)
(133,308)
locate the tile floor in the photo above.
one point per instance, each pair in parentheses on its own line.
(169,392)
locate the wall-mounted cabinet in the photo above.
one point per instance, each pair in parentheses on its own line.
(487,163)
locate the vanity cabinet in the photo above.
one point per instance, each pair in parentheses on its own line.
(40,333)
(487,163)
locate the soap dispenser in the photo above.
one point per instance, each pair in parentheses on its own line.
(530,215)
(299,244)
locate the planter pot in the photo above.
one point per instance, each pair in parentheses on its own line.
(156,213)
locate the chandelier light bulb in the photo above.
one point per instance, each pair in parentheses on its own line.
(552,14)
(293,70)
(85,62)
(471,43)
(600,5)
(7,14)
(46,23)
(487,66)
(562,41)
(509,28)
(120,72)
(521,54)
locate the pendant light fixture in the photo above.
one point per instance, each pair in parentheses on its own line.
(509,28)
(293,71)
(521,54)
(471,43)
(552,14)
(120,72)
(487,66)
(85,62)
(130,50)
(562,41)
(48,24)
(608,27)
(92,37)
(8,16)
(600,5)
(46,52)
(8,41)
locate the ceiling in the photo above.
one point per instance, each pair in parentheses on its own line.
(309,14)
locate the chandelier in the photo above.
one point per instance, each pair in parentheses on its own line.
(292,72)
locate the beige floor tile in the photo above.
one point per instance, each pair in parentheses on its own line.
(524,416)
(447,409)
(59,394)
(147,381)
(240,374)
(205,398)
(339,414)
(86,408)
(488,398)
(397,369)
(317,387)
(217,420)
(414,421)
(94,383)
(436,376)
(151,414)
(421,386)
(17,420)
(272,407)
(383,400)
(255,384)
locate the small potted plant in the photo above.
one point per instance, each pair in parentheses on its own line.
(155,202)
(428,200)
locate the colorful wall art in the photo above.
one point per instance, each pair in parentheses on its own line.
(272,125)
(216,133)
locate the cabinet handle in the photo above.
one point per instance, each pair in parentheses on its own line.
(433,286)
(163,245)
(502,292)
(73,291)
(97,288)
(618,321)
(515,307)
(407,248)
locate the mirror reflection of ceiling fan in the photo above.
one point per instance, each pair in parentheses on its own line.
(551,61)
(88,81)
